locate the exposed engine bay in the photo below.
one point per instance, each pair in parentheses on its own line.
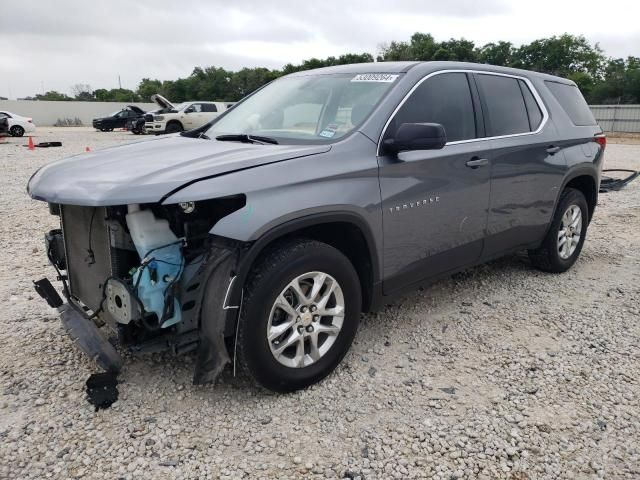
(144,270)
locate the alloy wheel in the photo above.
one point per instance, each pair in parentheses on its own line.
(305,319)
(570,231)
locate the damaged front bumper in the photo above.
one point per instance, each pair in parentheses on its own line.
(89,339)
(84,332)
(201,294)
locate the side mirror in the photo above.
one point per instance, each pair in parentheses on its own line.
(416,136)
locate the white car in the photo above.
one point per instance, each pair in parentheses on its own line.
(184,116)
(18,125)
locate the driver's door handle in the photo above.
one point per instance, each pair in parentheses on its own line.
(477,162)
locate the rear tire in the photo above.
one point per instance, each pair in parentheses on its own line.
(173,127)
(287,347)
(16,131)
(562,245)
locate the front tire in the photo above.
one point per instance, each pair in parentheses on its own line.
(565,238)
(174,127)
(16,131)
(300,314)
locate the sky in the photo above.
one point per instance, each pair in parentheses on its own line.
(53,45)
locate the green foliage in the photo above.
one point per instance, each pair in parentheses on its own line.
(563,56)
(501,53)
(53,95)
(601,79)
(148,87)
(116,95)
(620,83)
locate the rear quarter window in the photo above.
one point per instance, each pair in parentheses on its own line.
(572,102)
(533,109)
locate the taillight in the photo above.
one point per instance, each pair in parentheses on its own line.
(600,140)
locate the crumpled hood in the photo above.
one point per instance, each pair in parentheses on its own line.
(147,171)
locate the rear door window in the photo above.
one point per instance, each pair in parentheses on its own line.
(209,107)
(506,110)
(572,102)
(445,99)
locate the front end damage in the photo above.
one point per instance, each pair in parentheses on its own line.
(151,273)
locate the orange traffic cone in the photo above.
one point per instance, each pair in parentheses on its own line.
(31,146)
(87,149)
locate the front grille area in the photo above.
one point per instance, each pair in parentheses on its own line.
(97,246)
(82,236)
(148,118)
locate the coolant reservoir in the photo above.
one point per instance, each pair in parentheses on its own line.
(147,231)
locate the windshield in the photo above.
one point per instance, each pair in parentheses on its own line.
(306,109)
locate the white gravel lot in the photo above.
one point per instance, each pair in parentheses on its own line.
(499,372)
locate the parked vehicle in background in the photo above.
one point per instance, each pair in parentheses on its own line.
(184,116)
(118,119)
(137,126)
(262,236)
(18,125)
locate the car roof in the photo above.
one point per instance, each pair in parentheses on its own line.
(426,67)
(371,67)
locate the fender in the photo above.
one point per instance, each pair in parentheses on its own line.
(589,170)
(253,249)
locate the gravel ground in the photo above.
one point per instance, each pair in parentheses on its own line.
(499,372)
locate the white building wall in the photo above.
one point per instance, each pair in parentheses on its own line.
(47,113)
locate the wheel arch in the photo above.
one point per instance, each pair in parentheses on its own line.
(345,231)
(174,120)
(579,178)
(585,180)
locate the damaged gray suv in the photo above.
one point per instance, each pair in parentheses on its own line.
(259,238)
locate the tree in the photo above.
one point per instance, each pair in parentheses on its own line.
(148,87)
(422,46)
(620,84)
(501,54)
(116,95)
(53,95)
(601,79)
(82,92)
(562,56)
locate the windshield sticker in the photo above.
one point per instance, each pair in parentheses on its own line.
(374,77)
(329,131)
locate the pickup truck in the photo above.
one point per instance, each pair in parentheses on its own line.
(184,116)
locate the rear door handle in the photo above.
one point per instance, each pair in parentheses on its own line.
(477,162)
(552,149)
